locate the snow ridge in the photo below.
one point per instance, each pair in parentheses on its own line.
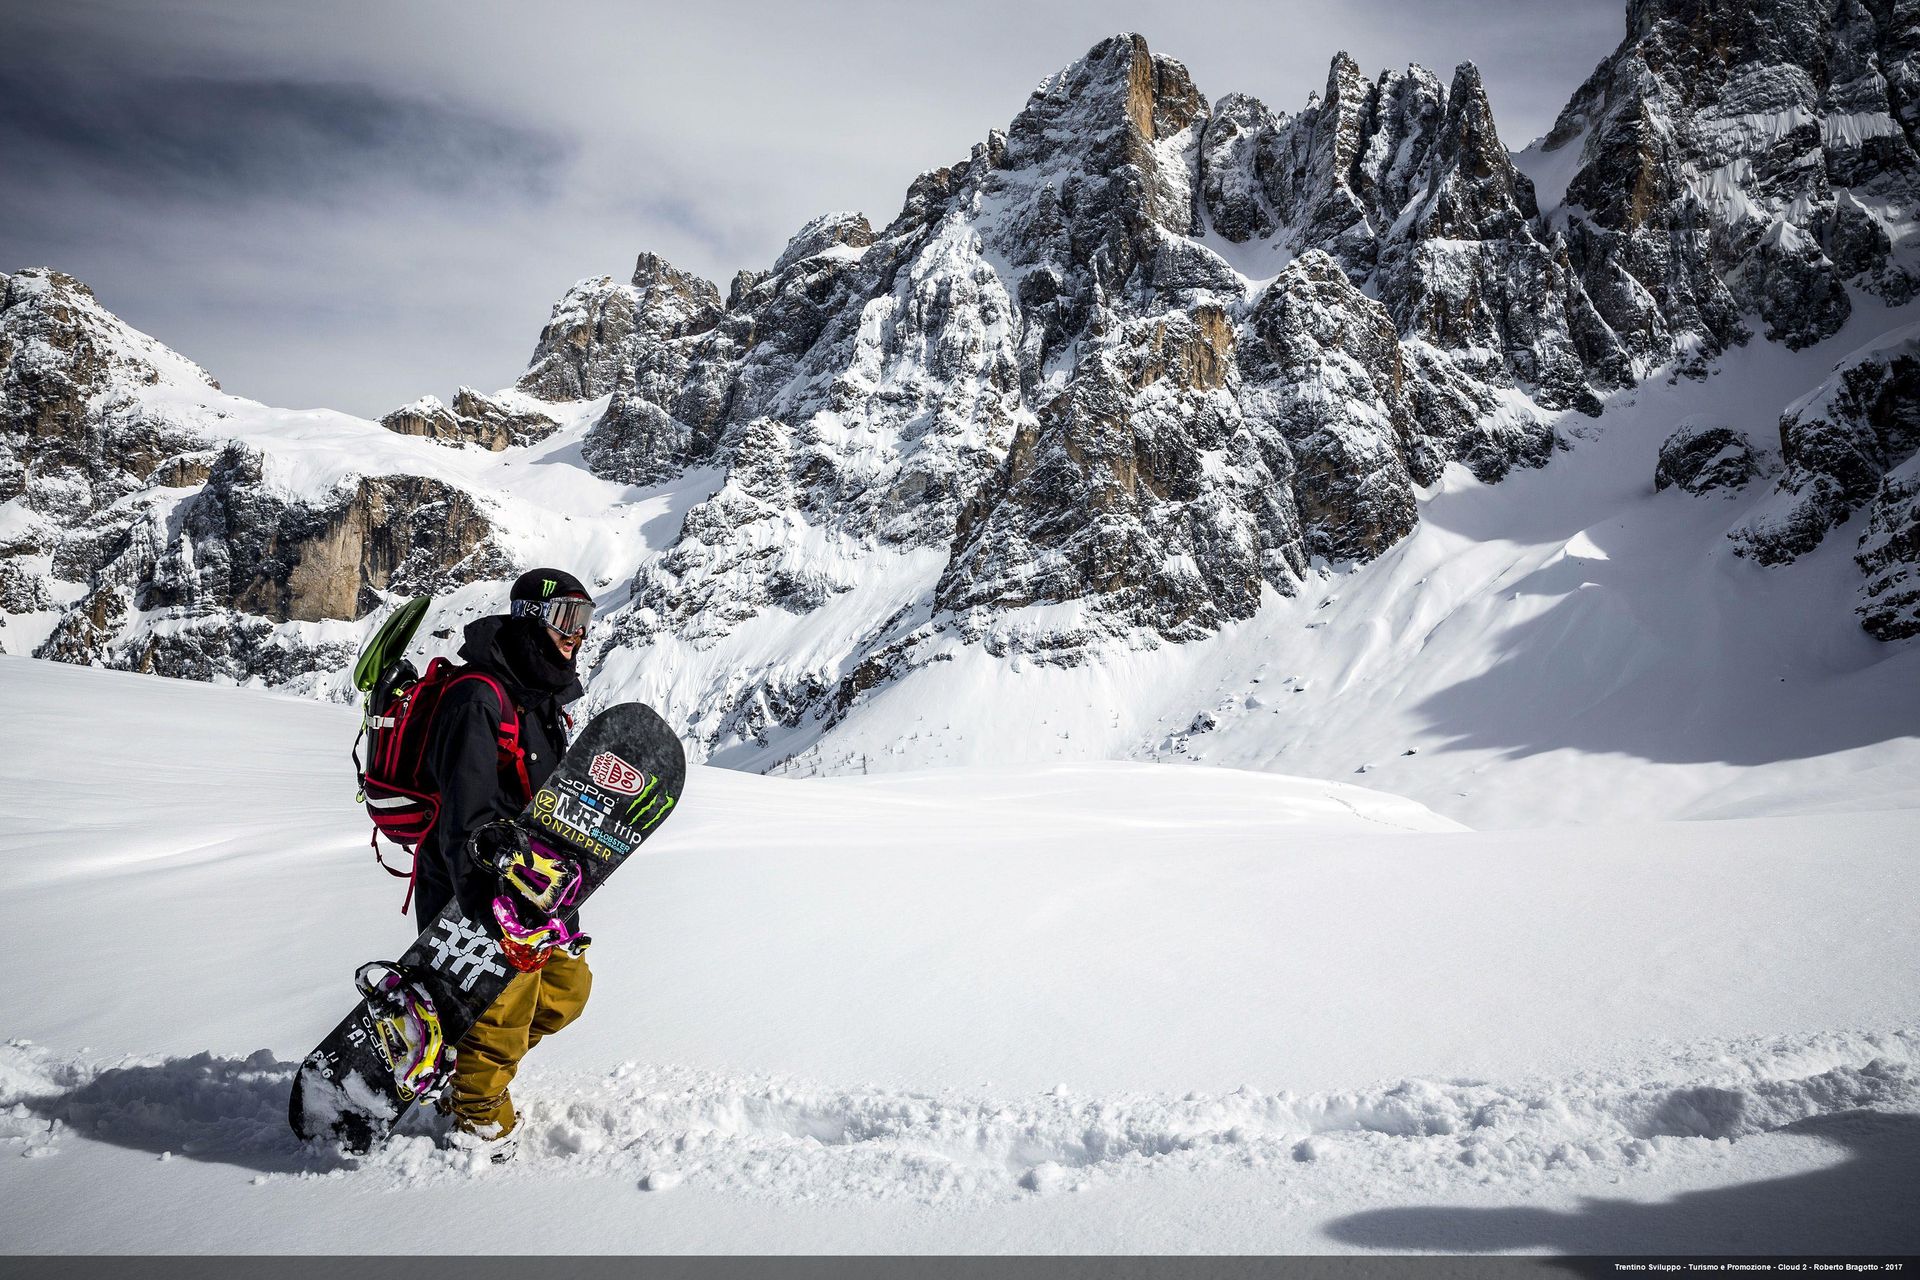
(796,1140)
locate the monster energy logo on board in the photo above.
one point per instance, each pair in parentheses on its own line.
(642,806)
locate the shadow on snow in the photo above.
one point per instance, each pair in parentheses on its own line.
(1863,1205)
(220,1110)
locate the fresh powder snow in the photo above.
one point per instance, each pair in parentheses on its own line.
(1073,1007)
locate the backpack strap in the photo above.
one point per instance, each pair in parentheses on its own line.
(508,738)
(411,875)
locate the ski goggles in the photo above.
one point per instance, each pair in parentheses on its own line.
(568,615)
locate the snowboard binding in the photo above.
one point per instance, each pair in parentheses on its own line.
(549,883)
(528,947)
(406,1029)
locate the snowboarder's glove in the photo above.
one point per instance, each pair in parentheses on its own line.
(498,845)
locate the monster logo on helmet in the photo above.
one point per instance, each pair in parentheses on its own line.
(555,597)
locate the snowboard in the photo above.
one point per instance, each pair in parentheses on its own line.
(610,792)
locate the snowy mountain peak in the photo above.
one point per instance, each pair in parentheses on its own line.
(85,425)
(1118,85)
(1119,105)
(56,329)
(600,327)
(848,232)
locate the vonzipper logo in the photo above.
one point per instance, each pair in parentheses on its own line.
(615,774)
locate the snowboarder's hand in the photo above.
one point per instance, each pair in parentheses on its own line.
(498,845)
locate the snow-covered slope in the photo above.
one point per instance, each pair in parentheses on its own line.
(1569,645)
(1232,1011)
(1596,643)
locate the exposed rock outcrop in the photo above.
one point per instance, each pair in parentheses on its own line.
(599,325)
(1142,491)
(1838,443)
(580,352)
(242,546)
(238,556)
(1700,457)
(1742,157)
(77,438)
(428,417)
(1889,555)
(1326,370)
(162,547)
(473,419)
(1406,184)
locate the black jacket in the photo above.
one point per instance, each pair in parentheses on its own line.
(463,756)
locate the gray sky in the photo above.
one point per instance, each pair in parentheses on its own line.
(357,202)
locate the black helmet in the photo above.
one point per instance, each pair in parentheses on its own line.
(555,597)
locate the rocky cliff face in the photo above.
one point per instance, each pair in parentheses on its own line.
(1406,184)
(1889,555)
(1744,159)
(1842,445)
(78,436)
(242,546)
(135,535)
(473,419)
(601,328)
(1700,457)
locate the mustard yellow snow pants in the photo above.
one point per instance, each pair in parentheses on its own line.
(534,1006)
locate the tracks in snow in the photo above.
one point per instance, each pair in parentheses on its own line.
(664,1126)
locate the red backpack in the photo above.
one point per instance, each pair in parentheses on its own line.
(397,725)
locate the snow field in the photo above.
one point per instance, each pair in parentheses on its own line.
(1090,1007)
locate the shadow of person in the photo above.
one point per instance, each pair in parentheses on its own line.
(1863,1205)
(223,1110)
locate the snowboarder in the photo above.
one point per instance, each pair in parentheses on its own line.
(532,652)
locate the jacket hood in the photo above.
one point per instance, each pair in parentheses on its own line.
(512,649)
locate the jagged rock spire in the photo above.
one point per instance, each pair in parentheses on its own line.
(1723,150)
(1477,194)
(600,326)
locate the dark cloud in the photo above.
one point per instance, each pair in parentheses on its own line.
(200,138)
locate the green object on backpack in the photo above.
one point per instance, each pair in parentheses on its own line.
(387,643)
